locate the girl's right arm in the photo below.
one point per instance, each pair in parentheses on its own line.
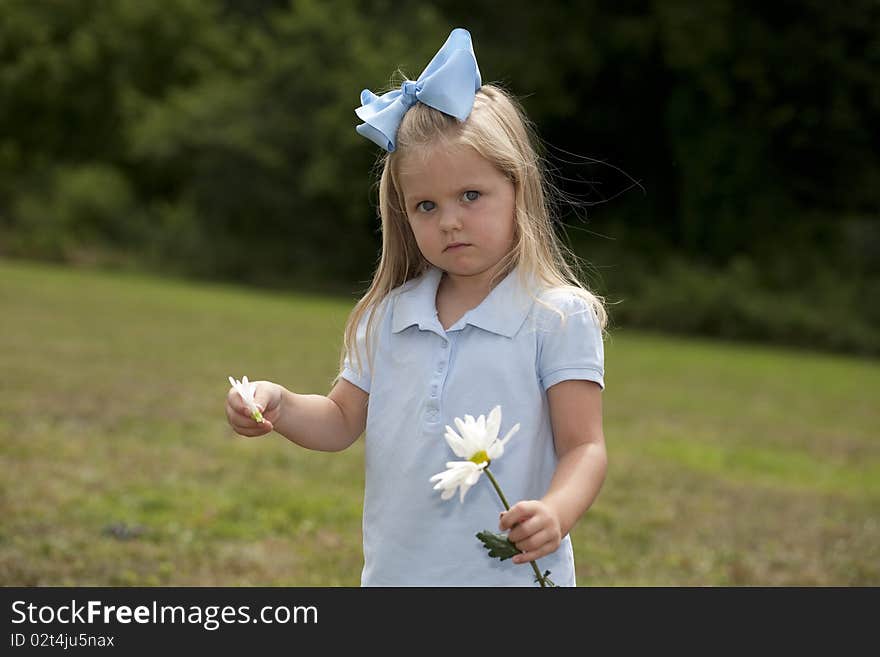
(327,424)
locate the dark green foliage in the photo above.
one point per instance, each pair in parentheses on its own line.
(717,159)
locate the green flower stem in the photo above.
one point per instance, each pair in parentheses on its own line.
(507,508)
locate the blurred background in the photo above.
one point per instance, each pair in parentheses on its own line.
(183,197)
(723,155)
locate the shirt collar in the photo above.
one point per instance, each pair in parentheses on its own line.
(503,310)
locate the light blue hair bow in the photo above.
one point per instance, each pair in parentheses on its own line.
(449,84)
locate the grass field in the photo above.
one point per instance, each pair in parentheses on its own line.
(729,464)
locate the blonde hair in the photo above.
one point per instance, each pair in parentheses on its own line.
(499,131)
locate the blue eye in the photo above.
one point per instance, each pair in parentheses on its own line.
(420,203)
(477,195)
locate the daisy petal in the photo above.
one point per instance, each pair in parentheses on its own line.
(497,448)
(510,433)
(456,443)
(494,423)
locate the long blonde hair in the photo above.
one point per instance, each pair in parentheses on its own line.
(498,130)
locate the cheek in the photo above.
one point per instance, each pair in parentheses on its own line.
(505,225)
(419,232)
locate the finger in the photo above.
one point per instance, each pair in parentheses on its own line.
(535,542)
(237,403)
(518,512)
(242,410)
(246,425)
(533,555)
(526,557)
(251,431)
(233,401)
(236,417)
(525,529)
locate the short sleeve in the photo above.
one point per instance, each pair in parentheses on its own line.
(573,348)
(358,372)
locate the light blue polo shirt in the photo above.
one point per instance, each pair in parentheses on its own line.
(507,351)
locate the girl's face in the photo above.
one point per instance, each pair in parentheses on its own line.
(460,208)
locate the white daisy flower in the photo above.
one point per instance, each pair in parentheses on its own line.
(460,474)
(246,391)
(477,443)
(478,439)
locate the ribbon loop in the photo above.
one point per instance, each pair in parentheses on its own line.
(449,84)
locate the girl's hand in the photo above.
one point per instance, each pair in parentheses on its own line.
(268,397)
(535,529)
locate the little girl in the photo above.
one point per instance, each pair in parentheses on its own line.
(472,305)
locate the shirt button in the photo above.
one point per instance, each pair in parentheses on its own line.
(444,345)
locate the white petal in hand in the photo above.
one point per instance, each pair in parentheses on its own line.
(246,391)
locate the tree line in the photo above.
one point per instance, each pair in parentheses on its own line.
(716,161)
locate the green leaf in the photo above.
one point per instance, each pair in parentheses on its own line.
(498,545)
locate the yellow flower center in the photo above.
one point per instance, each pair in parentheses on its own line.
(479,457)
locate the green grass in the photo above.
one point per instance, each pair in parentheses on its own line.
(729,464)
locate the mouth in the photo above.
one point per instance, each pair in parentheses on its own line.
(456,245)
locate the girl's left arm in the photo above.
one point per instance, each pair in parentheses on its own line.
(576,417)
(537,526)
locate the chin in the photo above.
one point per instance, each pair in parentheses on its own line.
(466,270)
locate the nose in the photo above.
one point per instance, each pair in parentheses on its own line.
(450,220)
